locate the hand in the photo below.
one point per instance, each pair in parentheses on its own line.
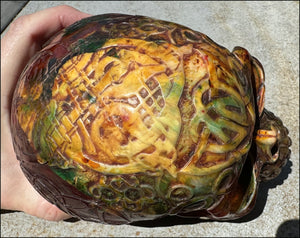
(24,38)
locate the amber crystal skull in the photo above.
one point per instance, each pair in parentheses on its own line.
(125,118)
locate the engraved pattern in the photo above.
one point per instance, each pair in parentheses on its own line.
(130,118)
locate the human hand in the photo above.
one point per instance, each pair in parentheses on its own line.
(23,39)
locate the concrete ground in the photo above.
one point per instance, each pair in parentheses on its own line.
(270,31)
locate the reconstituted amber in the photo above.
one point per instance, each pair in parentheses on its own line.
(124,118)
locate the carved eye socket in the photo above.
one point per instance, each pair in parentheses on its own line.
(148,191)
(108,194)
(133,194)
(118,184)
(274,151)
(180,193)
(224,181)
(96,192)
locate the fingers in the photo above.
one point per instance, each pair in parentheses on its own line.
(18,194)
(37,206)
(42,25)
(25,37)
(16,191)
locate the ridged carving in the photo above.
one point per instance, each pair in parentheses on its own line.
(123,118)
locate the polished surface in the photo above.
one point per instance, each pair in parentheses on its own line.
(269,31)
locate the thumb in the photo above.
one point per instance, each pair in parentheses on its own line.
(25,37)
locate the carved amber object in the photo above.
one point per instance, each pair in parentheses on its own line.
(124,118)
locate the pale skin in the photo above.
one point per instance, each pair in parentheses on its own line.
(24,38)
